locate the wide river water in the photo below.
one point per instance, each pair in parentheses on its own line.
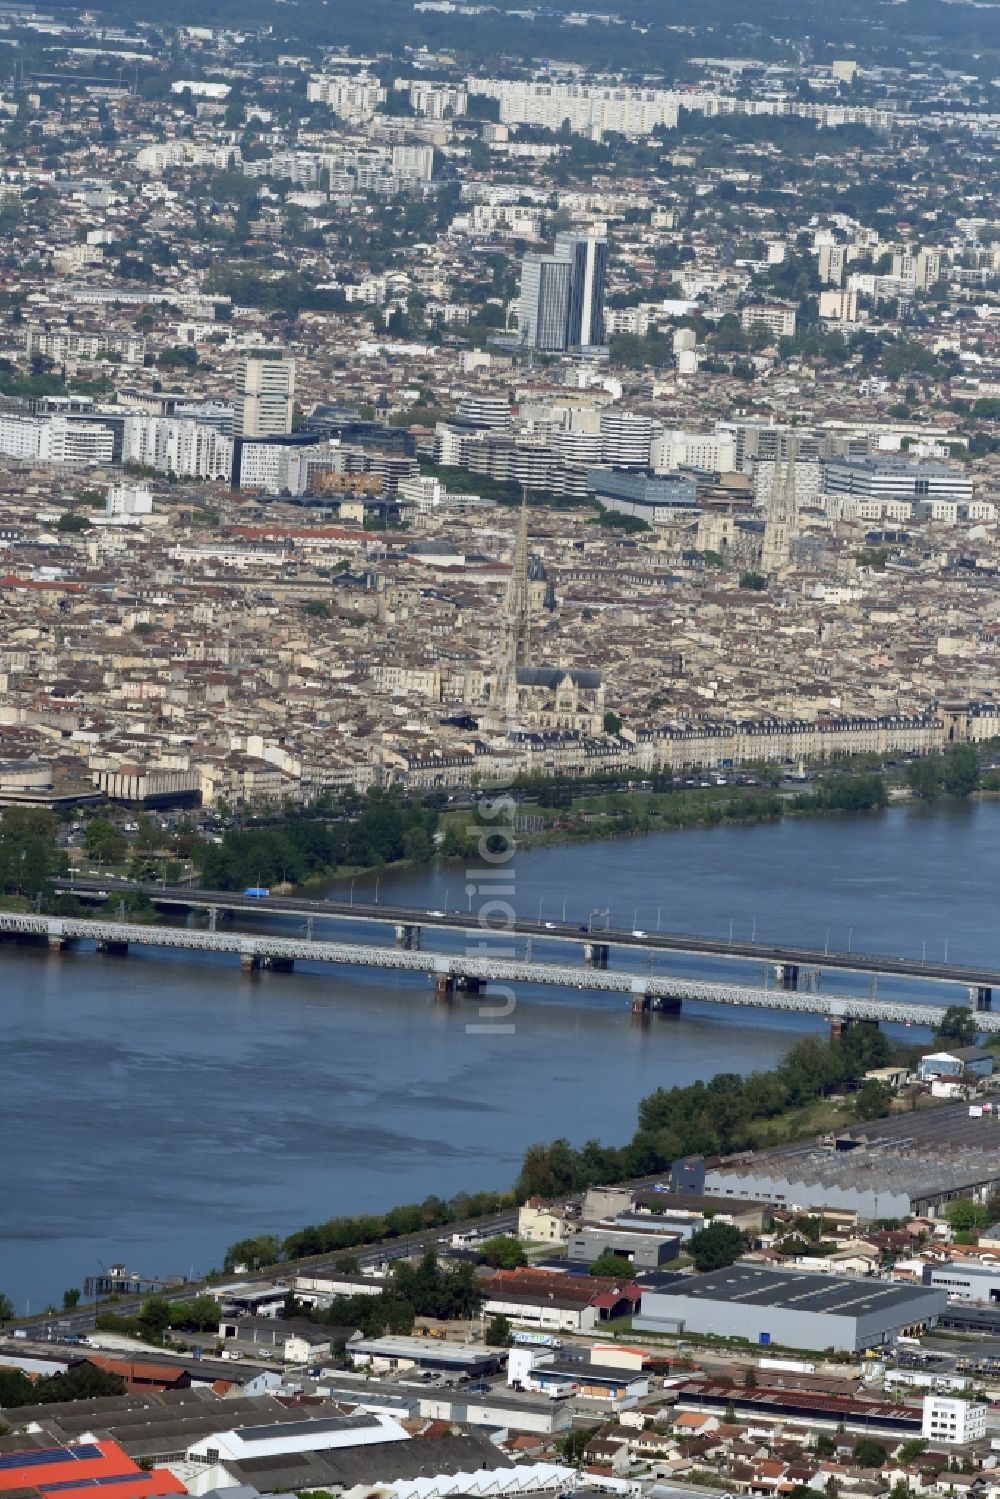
(155,1108)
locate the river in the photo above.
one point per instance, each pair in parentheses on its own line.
(155,1108)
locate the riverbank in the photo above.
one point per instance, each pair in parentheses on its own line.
(555,816)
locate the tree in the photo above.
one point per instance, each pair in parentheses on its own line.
(6,1310)
(575,1442)
(15,1389)
(869,1453)
(199,1315)
(71,1298)
(718,1245)
(265,1249)
(73,520)
(84,1382)
(872,1099)
(102,840)
(498,1334)
(960,770)
(755,582)
(612,723)
(750,1378)
(964,1215)
(503,1251)
(958,1026)
(154,1318)
(29,853)
(924,777)
(616,1266)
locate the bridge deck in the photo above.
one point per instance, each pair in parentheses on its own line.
(495,970)
(890,965)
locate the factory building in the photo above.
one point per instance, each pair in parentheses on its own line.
(766,1306)
(910,1164)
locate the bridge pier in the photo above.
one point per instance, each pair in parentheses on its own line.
(249,962)
(595,954)
(113,949)
(57,942)
(444,986)
(841,1023)
(981,998)
(408,936)
(787,975)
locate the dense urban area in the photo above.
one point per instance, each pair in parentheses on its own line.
(407,401)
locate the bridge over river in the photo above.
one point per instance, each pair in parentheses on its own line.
(468,973)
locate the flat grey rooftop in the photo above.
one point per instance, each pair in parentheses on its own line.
(755,1285)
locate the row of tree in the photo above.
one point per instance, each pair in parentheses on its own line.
(705,1118)
(371,1228)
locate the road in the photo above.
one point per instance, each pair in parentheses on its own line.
(554,931)
(83,1320)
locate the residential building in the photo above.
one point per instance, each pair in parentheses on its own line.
(265,394)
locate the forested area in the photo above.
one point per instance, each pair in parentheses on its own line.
(305,844)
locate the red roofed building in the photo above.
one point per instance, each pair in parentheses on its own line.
(76,1472)
(140,1374)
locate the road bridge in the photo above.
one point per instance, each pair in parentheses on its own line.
(465,973)
(598,941)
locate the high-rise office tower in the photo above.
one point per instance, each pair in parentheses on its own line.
(562,294)
(588,255)
(265,394)
(543,314)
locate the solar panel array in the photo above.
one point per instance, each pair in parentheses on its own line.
(38,1457)
(88,1483)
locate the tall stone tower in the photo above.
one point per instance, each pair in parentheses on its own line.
(515,621)
(782,511)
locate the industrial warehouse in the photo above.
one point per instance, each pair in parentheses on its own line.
(791,1308)
(888,1168)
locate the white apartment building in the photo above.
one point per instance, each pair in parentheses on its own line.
(128,500)
(779,317)
(413,162)
(353,96)
(626,438)
(715,452)
(61,440)
(65,344)
(178,445)
(953,1421)
(20,437)
(278,468)
(435,101)
(832,260)
(265,394)
(628,320)
(591,109)
(920,270)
